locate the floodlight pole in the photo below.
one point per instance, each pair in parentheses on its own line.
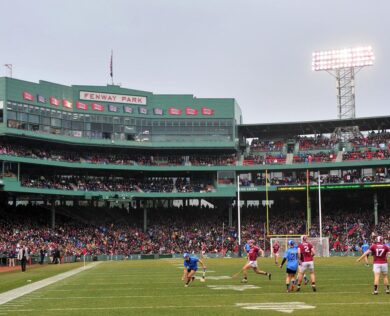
(345,92)
(343,65)
(345,78)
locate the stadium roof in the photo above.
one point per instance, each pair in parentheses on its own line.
(312,127)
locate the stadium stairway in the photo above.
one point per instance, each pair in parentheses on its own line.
(289,159)
(339,157)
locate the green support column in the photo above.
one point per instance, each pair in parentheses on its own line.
(230,215)
(145,218)
(53,214)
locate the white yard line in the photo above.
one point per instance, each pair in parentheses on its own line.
(171,307)
(177,295)
(20,291)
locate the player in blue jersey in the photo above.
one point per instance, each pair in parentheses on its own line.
(247,247)
(363,249)
(190,268)
(291,256)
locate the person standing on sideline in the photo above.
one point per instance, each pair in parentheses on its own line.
(379,251)
(23,257)
(42,255)
(305,255)
(11,257)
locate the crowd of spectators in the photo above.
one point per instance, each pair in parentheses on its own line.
(367,154)
(97,157)
(268,159)
(176,230)
(116,184)
(318,142)
(259,145)
(300,179)
(380,140)
(319,157)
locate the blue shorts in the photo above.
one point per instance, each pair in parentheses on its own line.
(289,271)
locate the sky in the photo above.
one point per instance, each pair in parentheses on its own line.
(256,51)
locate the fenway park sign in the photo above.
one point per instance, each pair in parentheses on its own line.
(112,98)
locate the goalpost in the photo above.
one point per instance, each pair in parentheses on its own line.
(321,245)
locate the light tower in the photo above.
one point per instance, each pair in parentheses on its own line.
(344,64)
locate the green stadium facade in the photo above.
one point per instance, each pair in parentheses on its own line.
(113,120)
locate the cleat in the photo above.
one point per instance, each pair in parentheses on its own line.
(387,291)
(244,281)
(375,293)
(269,276)
(314,289)
(367,265)
(193,279)
(185,285)
(298,289)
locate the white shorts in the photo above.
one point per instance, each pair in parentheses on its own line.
(253,264)
(380,268)
(307,265)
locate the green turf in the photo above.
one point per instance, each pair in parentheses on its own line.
(154,287)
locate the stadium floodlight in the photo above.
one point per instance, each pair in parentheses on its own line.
(343,58)
(343,64)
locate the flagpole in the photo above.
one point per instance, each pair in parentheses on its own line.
(112,67)
(239,215)
(319,205)
(266,199)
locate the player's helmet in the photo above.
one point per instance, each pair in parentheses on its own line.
(379,239)
(303,238)
(186,255)
(291,242)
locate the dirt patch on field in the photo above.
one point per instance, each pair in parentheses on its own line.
(8,269)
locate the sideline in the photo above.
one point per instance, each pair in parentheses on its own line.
(26,289)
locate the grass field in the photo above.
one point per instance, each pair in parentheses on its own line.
(154,287)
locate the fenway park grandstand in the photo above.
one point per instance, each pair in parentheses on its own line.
(119,172)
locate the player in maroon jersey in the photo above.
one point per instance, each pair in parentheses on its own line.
(305,254)
(253,253)
(379,252)
(275,251)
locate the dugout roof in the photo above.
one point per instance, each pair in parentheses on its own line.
(311,127)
